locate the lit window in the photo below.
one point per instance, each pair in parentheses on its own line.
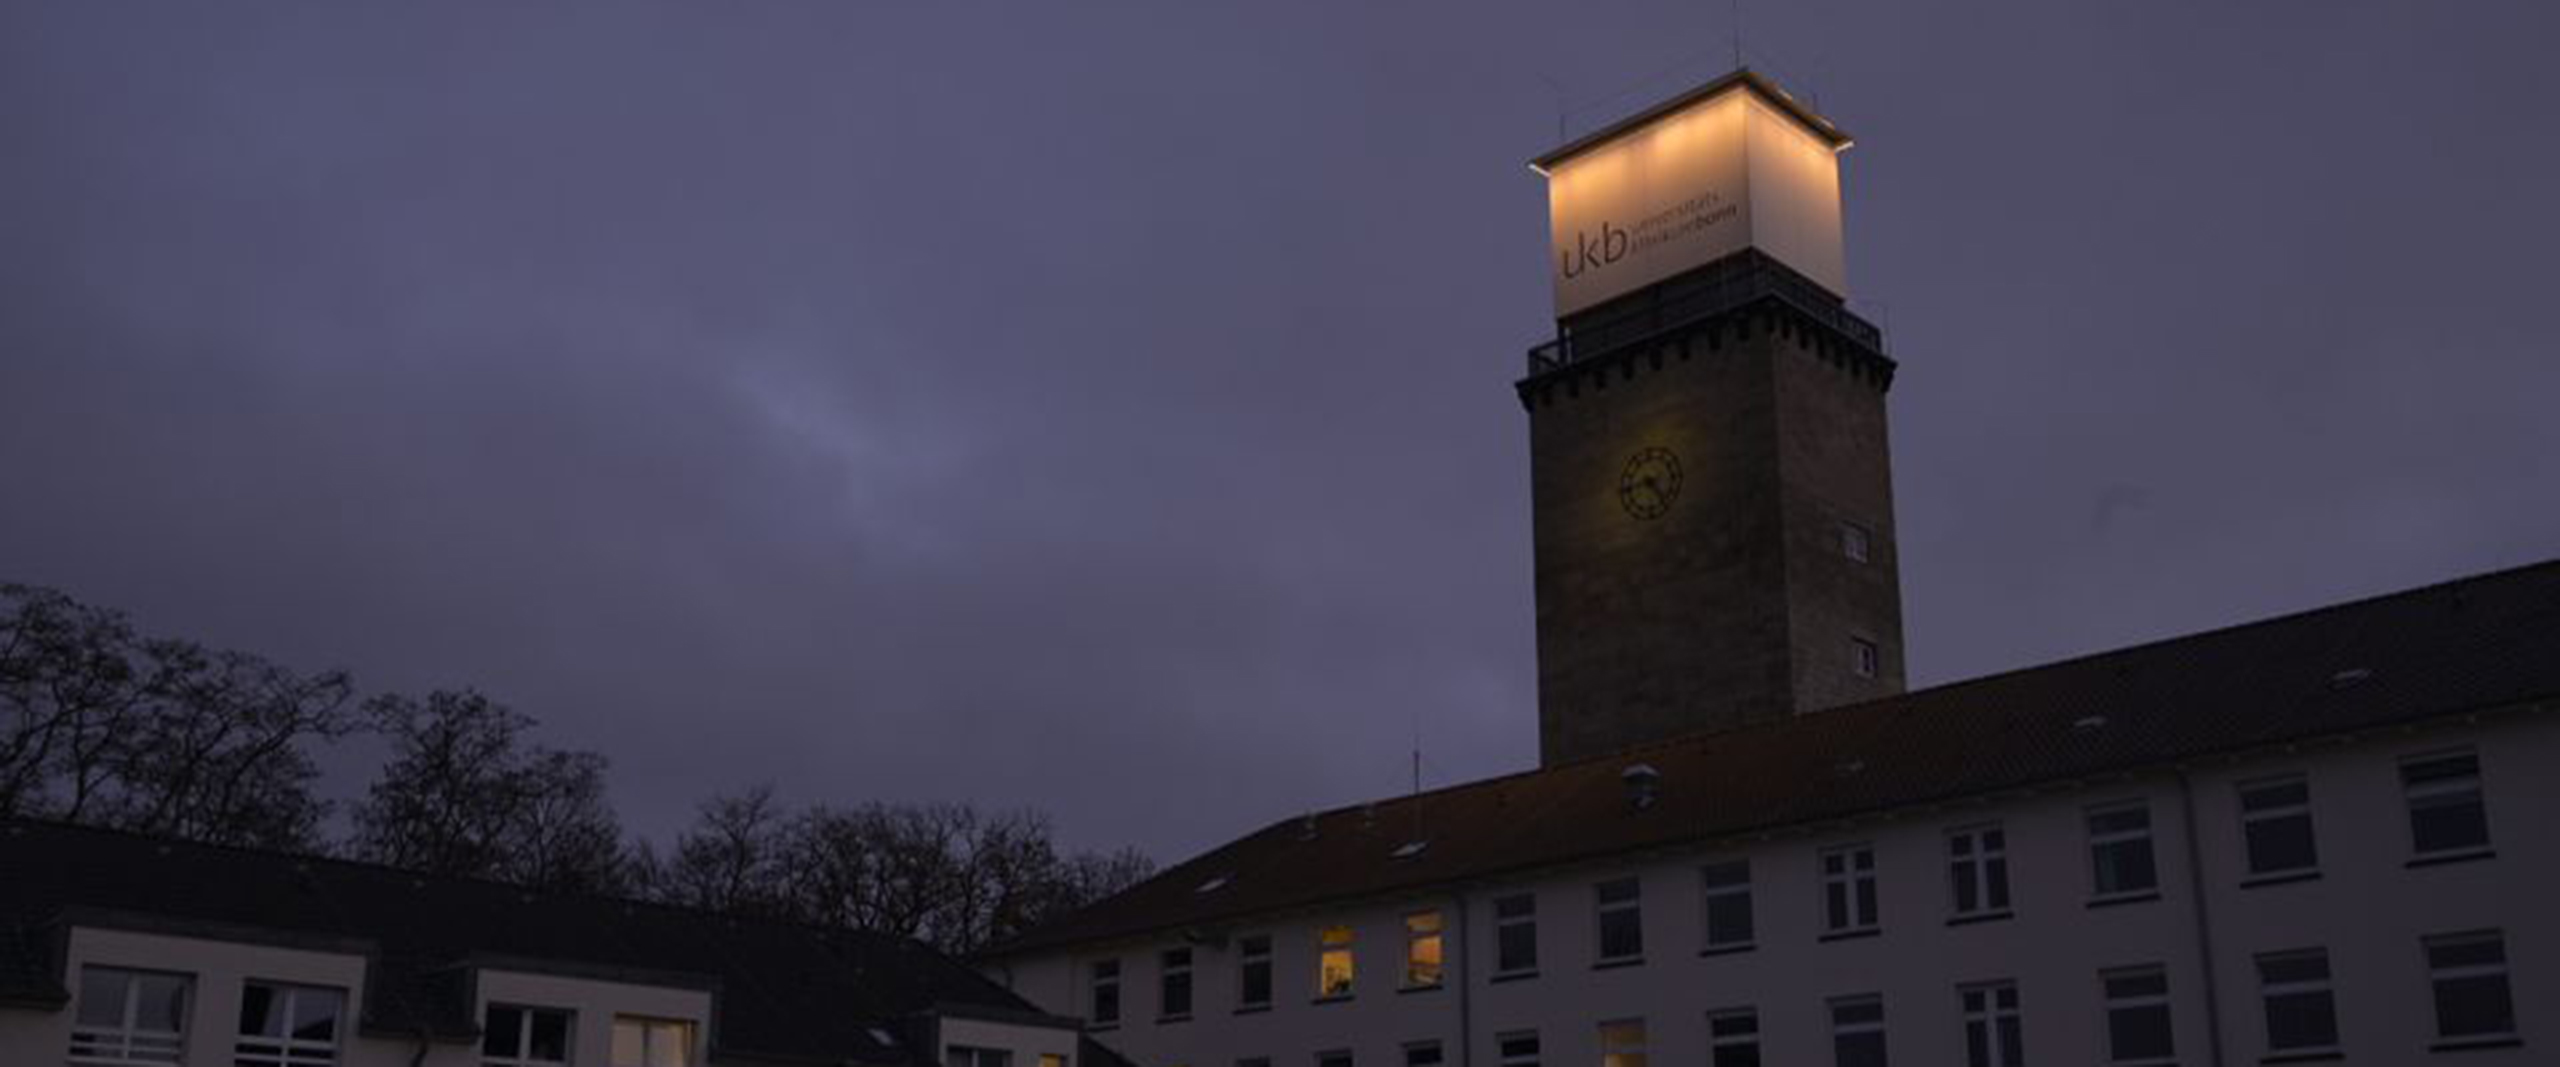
(1864,658)
(1422,1054)
(1059,1059)
(2120,859)
(1733,1038)
(1993,1033)
(2275,820)
(1106,992)
(1333,964)
(1253,972)
(288,1025)
(967,1056)
(1422,950)
(2446,813)
(1620,906)
(1340,1057)
(1518,1048)
(1173,985)
(1515,935)
(1978,871)
(1854,542)
(1857,1032)
(1622,1043)
(2301,1014)
(126,1016)
(1727,891)
(2138,1032)
(1849,889)
(643,1042)
(2469,972)
(524,1037)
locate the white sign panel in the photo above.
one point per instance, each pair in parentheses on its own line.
(1688,188)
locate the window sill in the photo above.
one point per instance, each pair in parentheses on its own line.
(1971,918)
(1513,976)
(2305,1056)
(1252,1009)
(1611,965)
(1851,935)
(1728,950)
(1432,988)
(2117,900)
(2474,1044)
(1337,998)
(1164,1019)
(2439,859)
(2257,881)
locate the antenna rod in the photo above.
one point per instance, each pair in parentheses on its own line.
(1737,34)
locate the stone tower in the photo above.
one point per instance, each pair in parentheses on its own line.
(1714,500)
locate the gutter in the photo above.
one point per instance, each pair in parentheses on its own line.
(2204,918)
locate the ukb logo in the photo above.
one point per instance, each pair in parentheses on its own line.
(1588,253)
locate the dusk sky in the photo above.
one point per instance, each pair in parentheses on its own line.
(1106,408)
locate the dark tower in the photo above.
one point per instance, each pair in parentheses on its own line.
(1713,496)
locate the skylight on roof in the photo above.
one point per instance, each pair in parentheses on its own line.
(1212,885)
(1409,849)
(882,1036)
(2087,723)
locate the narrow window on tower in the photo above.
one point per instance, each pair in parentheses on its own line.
(2275,821)
(1864,659)
(1174,985)
(1994,1035)
(2447,817)
(1726,888)
(2120,860)
(1854,542)
(1515,936)
(1253,972)
(1978,872)
(1333,963)
(2301,1013)
(2138,1031)
(2473,1005)
(1848,890)
(1422,946)
(1620,906)
(1105,992)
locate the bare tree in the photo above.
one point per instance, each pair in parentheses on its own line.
(732,860)
(465,793)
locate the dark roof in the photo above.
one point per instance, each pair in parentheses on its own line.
(2480,644)
(781,990)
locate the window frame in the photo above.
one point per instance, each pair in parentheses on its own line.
(1604,908)
(1866,658)
(524,1035)
(1103,976)
(1173,975)
(2439,974)
(1253,959)
(1978,859)
(1525,916)
(2468,790)
(2102,840)
(1507,1050)
(1437,1056)
(1857,543)
(2325,987)
(1348,949)
(1986,1039)
(1416,936)
(2113,1003)
(1861,893)
(1716,884)
(978,1056)
(1844,1031)
(2299,809)
(127,1042)
(286,1050)
(1719,1043)
(688,1031)
(1622,1053)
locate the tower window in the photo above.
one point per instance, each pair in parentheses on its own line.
(1864,658)
(1855,542)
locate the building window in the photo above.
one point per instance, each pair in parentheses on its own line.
(1864,658)
(1978,866)
(1106,992)
(1518,1048)
(1333,962)
(1253,972)
(1993,1034)
(1733,1038)
(1857,1032)
(1515,935)
(966,1056)
(524,1037)
(2138,1033)
(1254,1061)
(1855,542)
(1422,1054)
(2301,1014)
(1849,889)
(1059,1059)
(1620,905)
(643,1042)
(2469,972)
(1340,1057)
(1622,1043)
(127,1016)
(2446,813)
(1173,985)
(288,1025)
(1726,888)
(2275,820)
(1422,950)
(2120,860)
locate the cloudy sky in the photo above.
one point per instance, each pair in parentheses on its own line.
(1104,407)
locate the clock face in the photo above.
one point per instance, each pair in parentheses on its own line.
(1650,483)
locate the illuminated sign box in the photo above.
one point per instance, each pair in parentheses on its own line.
(1733,164)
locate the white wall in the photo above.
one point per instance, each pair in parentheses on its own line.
(2368,909)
